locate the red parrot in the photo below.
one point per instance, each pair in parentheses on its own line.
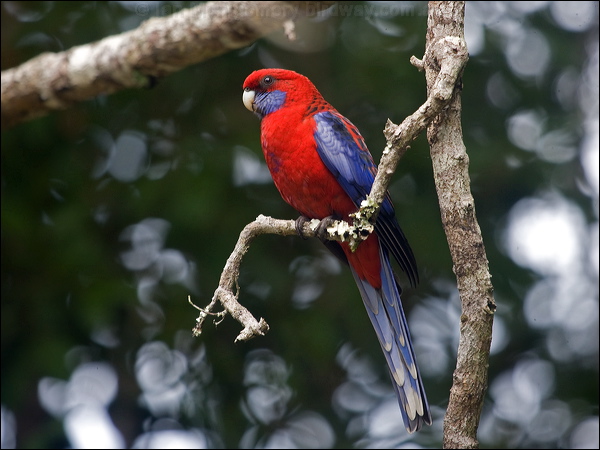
(322,168)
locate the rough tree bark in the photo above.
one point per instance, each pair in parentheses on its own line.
(158,47)
(450,167)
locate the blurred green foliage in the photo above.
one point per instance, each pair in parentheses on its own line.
(82,283)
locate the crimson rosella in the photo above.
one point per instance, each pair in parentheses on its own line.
(322,167)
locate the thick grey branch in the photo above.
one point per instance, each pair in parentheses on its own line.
(158,47)
(445,41)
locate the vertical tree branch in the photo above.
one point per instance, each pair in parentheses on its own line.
(457,207)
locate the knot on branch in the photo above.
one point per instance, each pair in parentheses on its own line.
(253,329)
(444,62)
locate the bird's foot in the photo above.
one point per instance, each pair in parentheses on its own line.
(300,221)
(320,231)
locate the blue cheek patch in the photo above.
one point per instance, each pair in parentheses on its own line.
(267,102)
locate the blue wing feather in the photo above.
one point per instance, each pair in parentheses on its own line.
(344,152)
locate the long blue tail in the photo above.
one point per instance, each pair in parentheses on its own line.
(384,307)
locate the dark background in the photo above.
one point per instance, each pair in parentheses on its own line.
(116,210)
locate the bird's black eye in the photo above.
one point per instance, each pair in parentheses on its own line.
(268,80)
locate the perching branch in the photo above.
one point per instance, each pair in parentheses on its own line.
(227,292)
(158,47)
(398,138)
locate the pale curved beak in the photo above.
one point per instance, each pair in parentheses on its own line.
(248,99)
